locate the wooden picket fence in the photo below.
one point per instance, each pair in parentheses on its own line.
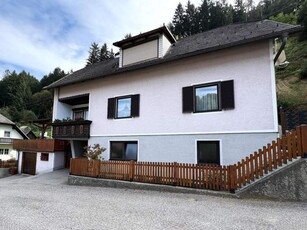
(221,178)
(8,164)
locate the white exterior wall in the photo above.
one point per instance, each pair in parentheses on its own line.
(164,45)
(160,88)
(60,110)
(44,166)
(13,135)
(58,162)
(148,50)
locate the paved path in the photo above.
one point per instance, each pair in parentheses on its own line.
(47,202)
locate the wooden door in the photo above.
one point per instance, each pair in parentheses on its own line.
(29,163)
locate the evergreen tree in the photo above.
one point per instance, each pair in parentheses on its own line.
(190,24)
(203,16)
(94,54)
(104,53)
(239,14)
(178,21)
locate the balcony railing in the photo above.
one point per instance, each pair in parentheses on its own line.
(71,129)
(6,140)
(46,145)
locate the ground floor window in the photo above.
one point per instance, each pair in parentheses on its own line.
(4,151)
(208,152)
(44,156)
(123,150)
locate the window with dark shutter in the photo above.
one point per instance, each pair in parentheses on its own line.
(187,99)
(135,105)
(208,97)
(227,95)
(124,107)
(111,108)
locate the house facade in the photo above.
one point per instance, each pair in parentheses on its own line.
(9,132)
(207,98)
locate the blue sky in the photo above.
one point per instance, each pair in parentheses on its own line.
(40,35)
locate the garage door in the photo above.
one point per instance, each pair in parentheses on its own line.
(29,163)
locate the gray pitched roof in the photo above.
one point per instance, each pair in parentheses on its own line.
(216,39)
(5,120)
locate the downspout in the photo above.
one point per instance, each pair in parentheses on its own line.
(283,44)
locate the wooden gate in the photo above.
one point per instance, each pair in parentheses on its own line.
(29,163)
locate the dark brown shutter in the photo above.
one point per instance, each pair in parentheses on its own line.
(111,108)
(135,105)
(227,95)
(187,99)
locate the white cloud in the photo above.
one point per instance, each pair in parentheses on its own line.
(41,35)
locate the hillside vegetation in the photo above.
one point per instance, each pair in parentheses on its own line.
(292,81)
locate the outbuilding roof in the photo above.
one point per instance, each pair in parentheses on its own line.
(209,41)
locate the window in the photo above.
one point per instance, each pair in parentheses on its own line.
(6,151)
(1,151)
(208,97)
(123,107)
(124,150)
(208,152)
(44,156)
(7,133)
(80,114)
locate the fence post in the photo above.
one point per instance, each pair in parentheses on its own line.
(282,120)
(131,171)
(97,168)
(304,140)
(232,178)
(175,173)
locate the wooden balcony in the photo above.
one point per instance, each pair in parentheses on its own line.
(46,145)
(71,129)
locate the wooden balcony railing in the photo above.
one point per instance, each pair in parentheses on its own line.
(46,145)
(71,129)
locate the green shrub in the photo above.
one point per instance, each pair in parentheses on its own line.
(303,73)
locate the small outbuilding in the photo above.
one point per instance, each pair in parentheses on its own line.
(40,156)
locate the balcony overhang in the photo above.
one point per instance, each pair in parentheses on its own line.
(76,100)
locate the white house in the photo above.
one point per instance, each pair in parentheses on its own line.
(207,98)
(8,132)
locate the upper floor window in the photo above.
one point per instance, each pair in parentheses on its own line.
(80,114)
(124,107)
(7,134)
(208,97)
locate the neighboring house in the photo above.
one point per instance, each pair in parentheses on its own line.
(27,130)
(207,98)
(8,132)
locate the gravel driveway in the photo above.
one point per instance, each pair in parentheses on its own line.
(47,202)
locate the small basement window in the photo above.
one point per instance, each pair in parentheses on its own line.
(208,152)
(124,150)
(45,157)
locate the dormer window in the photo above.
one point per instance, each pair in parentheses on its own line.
(144,47)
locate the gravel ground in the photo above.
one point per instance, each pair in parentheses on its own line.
(47,202)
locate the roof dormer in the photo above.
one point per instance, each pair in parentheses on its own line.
(145,47)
